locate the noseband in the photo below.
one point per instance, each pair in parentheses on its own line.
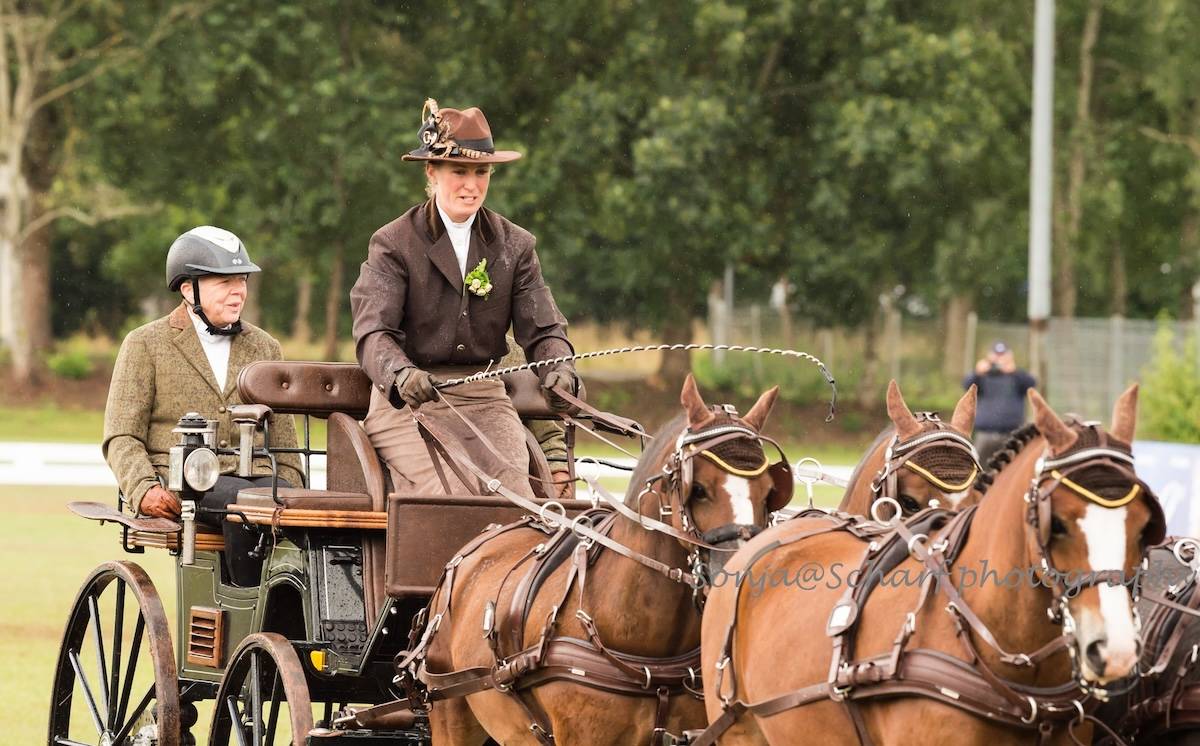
(885,487)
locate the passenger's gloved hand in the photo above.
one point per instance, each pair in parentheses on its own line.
(561,377)
(415,386)
(159,502)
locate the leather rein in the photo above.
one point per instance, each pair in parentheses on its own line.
(971,685)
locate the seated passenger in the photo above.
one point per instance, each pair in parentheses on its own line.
(185,362)
(440,287)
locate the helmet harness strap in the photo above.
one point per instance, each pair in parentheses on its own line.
(229,331)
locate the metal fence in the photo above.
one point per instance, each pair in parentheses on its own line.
(1087,361)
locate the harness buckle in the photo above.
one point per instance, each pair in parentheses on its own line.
(1033,711)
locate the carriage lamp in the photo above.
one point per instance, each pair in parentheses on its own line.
(193,464)
(193,469)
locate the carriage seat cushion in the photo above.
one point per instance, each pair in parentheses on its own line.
(302,499)
(320,389)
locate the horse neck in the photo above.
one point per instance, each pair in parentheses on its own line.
(637,609)
(859,496)
(1001,593)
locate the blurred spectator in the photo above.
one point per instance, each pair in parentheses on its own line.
(1002,386)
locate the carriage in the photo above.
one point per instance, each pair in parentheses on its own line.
(346,570)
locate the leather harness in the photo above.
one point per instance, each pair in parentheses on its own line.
(969,684)
(885,487)
(519,664)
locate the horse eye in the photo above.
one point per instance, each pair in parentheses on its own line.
(909,504)
(698,493)
(1057,527)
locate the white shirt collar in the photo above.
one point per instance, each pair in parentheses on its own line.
(460,236)
(216,349)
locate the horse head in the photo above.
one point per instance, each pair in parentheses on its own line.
(712,476)
(1089,521)
(919,462)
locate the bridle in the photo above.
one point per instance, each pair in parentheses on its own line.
(885,487)
(1050,473)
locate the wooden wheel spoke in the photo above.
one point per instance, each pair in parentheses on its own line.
(101,658)
(235,720)
(131,667)
(273,722)
(137,712)
(60,741)
(87,692)
(118,631)
(256,707)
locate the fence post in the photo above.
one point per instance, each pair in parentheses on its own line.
(1116,358)
(756,339)
(970,343)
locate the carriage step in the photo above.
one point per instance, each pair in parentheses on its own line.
(102,512)
(346,636)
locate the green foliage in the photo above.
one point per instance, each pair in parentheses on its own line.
(748,375)
(1170,398)
(71,363)
(853,146)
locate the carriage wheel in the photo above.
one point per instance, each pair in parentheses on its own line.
(263,679)
(117,657)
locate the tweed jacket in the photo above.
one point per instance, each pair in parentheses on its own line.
(161,374)
(411,307)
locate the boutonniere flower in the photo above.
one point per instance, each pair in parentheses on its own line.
(477,280)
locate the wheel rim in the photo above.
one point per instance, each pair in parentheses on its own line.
(116,673)
(263,698)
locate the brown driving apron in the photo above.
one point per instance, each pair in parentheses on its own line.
(394,434)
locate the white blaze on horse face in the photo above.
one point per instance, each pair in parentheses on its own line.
(956,497)
(1104,530)
(738,490)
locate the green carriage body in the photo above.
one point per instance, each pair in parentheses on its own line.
(323,591)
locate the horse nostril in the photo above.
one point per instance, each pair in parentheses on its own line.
(1095,656)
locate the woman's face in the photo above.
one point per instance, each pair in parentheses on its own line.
(458,187)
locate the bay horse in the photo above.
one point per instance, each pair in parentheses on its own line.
(1006,657)
(553,639)
(917,460)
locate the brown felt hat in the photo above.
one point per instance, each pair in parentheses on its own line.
(456,136)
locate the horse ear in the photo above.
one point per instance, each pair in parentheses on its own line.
(906,425)
(698,413)
(963,419)
(1054,430)
(757,416)
(1124,419)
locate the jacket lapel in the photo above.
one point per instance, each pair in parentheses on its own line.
(480,248)
(188,343)
(440,250)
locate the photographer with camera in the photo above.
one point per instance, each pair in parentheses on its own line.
(1001,408)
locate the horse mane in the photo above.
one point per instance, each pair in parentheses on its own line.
(651,461)
(1004,456)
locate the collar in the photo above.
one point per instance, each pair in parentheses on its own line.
(481,223)
(452,226)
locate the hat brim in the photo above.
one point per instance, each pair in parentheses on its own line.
(500,156)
